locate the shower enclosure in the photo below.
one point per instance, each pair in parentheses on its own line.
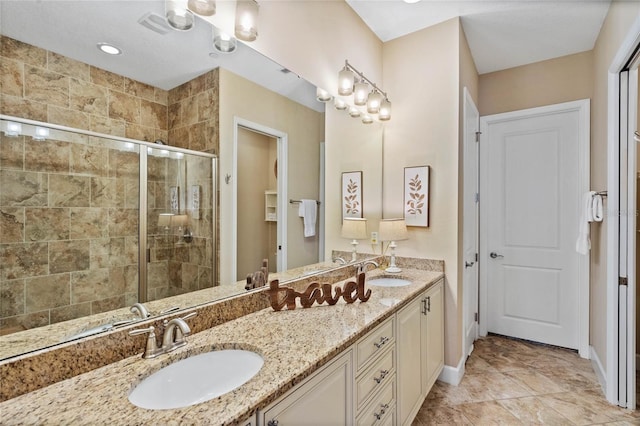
(90,223)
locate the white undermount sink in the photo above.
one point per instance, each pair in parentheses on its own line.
(196,379)
(388,282)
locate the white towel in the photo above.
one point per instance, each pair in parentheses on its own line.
(308,211)
(583,244)
(596,208)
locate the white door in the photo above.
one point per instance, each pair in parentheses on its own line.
(471,266)
(533,178)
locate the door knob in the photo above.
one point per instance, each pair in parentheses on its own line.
(468,264)
(495,255)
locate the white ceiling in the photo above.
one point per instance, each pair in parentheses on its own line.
(501,34)
(74,27)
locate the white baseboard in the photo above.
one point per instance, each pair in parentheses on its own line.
(597,368)
(453,375)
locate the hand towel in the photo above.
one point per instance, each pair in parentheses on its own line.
(308,211)
(583,243)
(596,208)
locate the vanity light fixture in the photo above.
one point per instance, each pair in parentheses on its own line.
(13,129)
(109,49)
(354,229)
(392,230)
(178,15)
(42,133)
(365,92)
(354,112)
(322,95)
(367,119)
(223,42)
(339,104)
(246,20)
(202,7)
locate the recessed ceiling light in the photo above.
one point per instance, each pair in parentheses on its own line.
(411,1)
(109,49)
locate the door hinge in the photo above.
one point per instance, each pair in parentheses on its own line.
(622,280)
(478,136)
(477,197)
(475,317)
(477,258)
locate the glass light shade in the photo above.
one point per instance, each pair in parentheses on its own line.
(13,129)
(385,111)
(367,119)
(373,102)
(354,228)
(354,112)
(178,16)
(223,42)
(322,95)
(246,20)
(339,104)
(179,220)
(42,133)
(360,92)
(202,7)
(392,230)
(345,82)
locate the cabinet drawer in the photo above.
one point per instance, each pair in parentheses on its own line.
(375,377)
(376,413)
(375,342)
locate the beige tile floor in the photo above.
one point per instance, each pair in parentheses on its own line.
(514,382)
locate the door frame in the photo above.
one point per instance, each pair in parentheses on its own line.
(583,108)
(282,140)
(616,174)
(468,102)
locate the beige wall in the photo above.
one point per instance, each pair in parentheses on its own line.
(352,146)
(616,26)
(564,79)
(424,131)
(305,130)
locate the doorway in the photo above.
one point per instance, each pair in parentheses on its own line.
(534,170)
(259,214)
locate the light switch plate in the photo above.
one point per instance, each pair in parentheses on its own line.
(374,238)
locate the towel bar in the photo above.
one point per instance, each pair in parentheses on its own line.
(602,193)
(298,202)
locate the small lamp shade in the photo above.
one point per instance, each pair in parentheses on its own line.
(360,93)
(246,20)
(354,228)
(164,219)
(179,220)
(392,230)
(202,7)
(345,82)
(385,111)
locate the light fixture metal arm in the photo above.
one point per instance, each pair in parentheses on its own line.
(362,76)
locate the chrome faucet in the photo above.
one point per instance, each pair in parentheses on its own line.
(339,260)
(362,267)
(140,310)
(175,332)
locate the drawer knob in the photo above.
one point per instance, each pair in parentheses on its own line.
(383,374)
(272,423)
(381,343)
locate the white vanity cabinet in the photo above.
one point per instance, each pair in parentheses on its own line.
(420,341)
(324,398)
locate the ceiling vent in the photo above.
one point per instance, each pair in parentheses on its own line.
(155,23)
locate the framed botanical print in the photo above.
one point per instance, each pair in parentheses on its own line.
(352,194)
(416,196)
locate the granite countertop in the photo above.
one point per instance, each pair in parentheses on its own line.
(25,341)
(293,344)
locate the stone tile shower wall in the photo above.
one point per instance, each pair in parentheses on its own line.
(68,212)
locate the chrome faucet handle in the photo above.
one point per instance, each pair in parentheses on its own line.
(151,350)
(175,332)
(169,310)
(362,267)
(339,260)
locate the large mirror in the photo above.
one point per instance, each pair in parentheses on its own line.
(266,124)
